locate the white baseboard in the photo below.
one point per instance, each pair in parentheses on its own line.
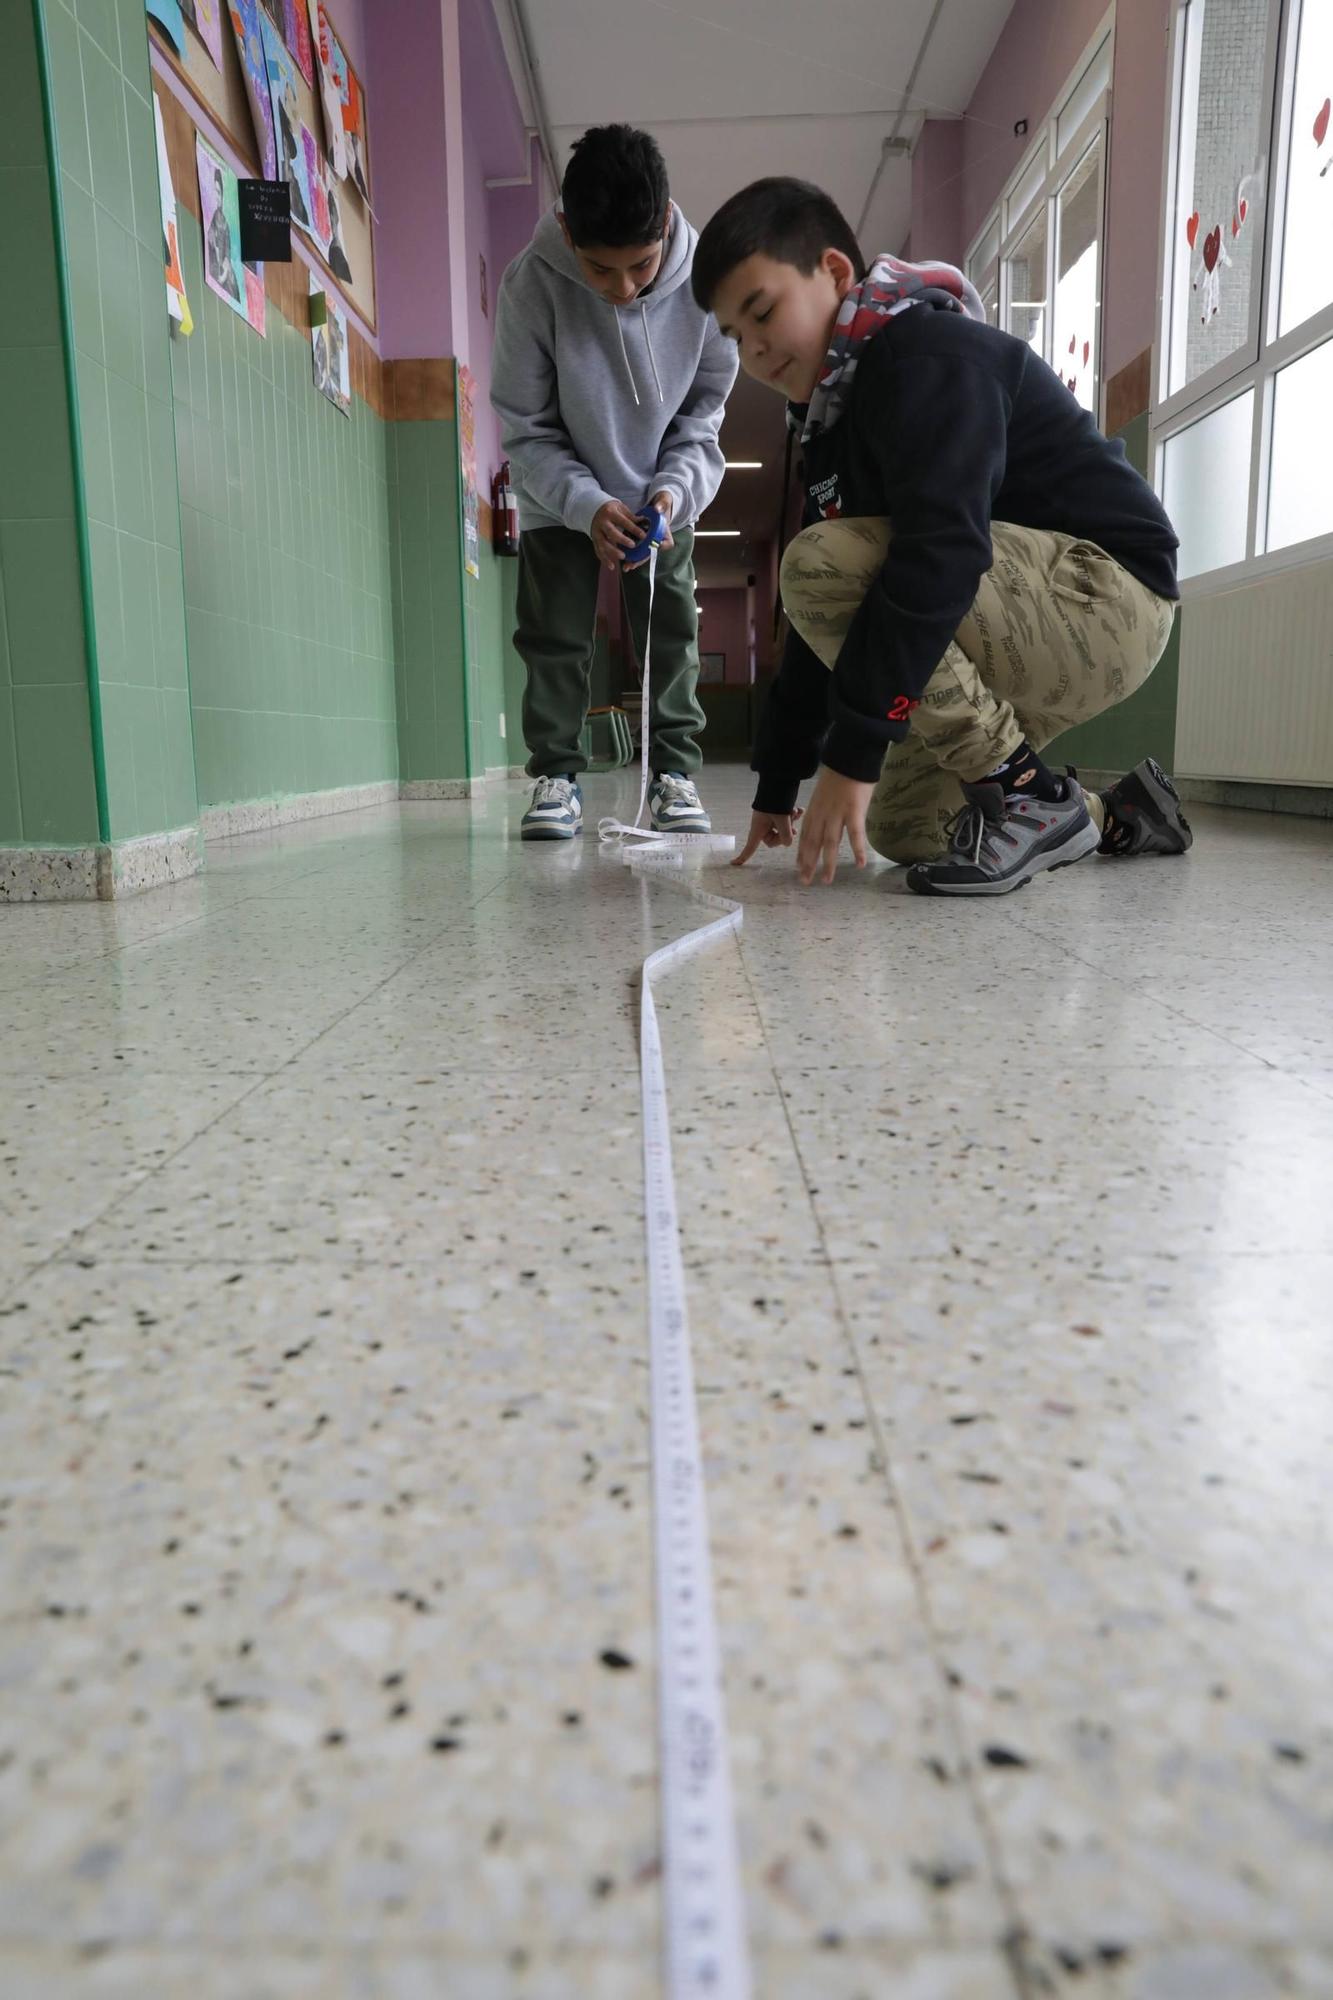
(257,815)
(105,872)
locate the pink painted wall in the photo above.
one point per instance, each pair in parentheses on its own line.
(937,192)
(1034,57)
(410,176)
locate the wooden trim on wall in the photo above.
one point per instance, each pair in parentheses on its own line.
(420,390)
(1129,393)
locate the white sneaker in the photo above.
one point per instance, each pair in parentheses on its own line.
(674,805)
(556,812)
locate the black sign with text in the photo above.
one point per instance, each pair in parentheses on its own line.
(266,221)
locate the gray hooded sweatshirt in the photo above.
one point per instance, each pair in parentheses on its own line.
(599,402)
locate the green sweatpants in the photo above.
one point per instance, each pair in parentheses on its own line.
(558,575)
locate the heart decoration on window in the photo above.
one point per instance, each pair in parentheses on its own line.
(1321,123)
(1192,228)
(1212,243)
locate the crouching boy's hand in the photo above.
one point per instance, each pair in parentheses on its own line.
(837,805)
(767,830)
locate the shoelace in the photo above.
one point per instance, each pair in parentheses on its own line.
(551,792)
(678,792)
(967,829)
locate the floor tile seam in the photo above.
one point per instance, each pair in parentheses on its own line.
(999,1883)
(1168,1007)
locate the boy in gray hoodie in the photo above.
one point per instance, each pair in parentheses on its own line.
(609,382)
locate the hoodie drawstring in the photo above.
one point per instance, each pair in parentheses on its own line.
(648,342)
(624,352)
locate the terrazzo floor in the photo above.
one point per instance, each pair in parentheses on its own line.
(326,1636)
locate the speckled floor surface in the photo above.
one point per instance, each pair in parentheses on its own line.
(323,1451)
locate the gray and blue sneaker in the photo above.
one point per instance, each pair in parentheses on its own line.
(999,840)
(675,806)
(556,812)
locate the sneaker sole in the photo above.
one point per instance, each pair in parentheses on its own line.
(1083,841)
(549,832)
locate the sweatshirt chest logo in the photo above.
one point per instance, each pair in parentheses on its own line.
(824,493)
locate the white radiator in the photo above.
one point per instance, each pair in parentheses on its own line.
(1256,681)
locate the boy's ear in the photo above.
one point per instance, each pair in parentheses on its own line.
(841,269)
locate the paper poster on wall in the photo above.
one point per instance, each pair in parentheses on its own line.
(328,89)
(336,252)
(167,14)
(328,343)
(177,303)
(467,451)
(354,130)
(319,198)
(293,155)
(240,284)
(250,48)
(205,17)
(296,31)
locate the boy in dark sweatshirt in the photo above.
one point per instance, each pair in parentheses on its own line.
(982,570)
(609,382)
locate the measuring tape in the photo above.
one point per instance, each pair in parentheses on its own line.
(704,1928)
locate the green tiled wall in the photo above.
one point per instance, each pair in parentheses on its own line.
(48,791)
(489,640)
(427,599)
(1145,724)
(97,59)
(284,508)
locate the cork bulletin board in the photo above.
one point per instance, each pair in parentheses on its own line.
(222,95)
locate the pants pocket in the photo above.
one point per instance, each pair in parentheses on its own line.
(1086,574)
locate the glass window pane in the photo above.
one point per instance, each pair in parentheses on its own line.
(1307,229)
(1217,225)
(1300,493)
(1078,226)
(1027,285)
(1095,79)
(990,298)
(1206,486)
(1029,187)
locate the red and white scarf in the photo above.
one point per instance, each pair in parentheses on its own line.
(889,287)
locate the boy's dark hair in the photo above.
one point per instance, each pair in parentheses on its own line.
(615,188)
(792,221)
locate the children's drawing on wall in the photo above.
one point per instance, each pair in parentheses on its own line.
(167,14)
(205,17)
(354,129)
(177,304)
(296,33)
(293,164)
(250,48)
(328,342)
(241,285)
(336,254)
(328,90)
(319,198)
(465,398)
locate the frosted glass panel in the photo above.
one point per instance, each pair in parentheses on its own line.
(1307,231)
(985,253)
(1217,223)
(1078,213)
(1206,486)
(1300,493)
(1023,196)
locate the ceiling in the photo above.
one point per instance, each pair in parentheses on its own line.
(733,89)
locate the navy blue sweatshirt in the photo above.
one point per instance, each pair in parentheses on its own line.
(949,425)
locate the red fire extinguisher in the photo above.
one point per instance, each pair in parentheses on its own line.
(504,514)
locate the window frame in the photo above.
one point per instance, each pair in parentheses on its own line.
(1258,364)
(992,276)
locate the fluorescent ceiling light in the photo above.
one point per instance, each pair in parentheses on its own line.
(744,464)
(732,533)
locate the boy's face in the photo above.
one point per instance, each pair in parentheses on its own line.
(782,318)
(619,273)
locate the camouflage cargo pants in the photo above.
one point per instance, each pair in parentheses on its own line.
(1058,632)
